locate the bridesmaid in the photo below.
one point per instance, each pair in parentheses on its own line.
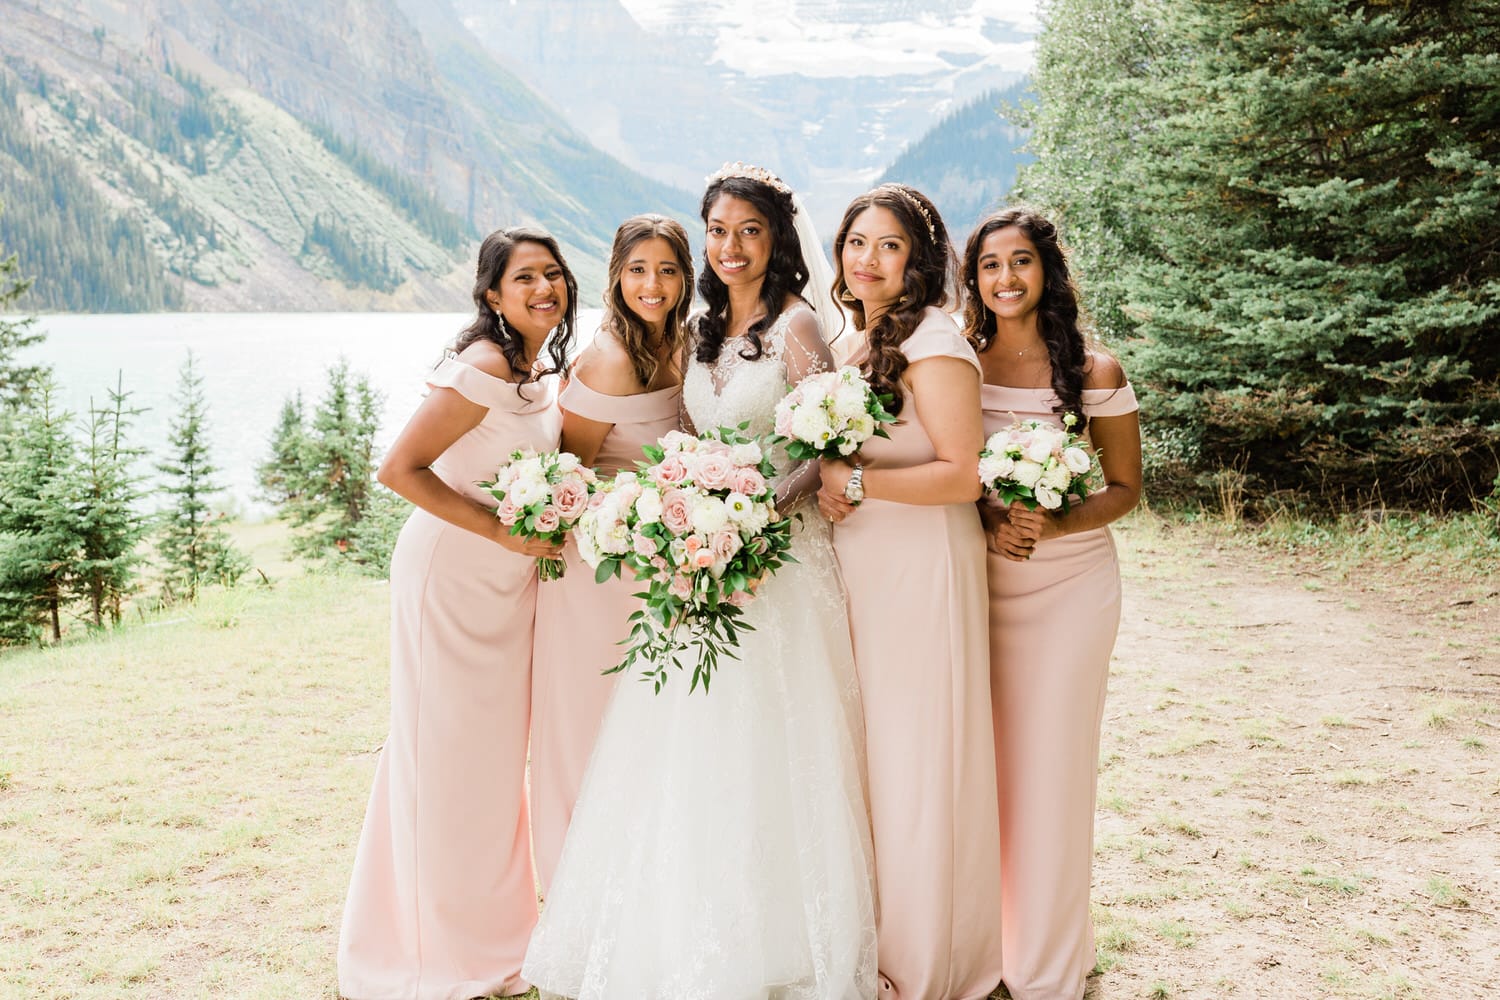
(442,900)
(911,560)
(623,394)
(1054,584)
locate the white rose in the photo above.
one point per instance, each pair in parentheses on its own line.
(1077,460)
(616,540)
(849,402)
(997,442)
(567,462)
(989,469)
(1049,499)
(1057,477)
(648,506)
(1026,473)
(524,492)
(709,515)
(1039,449)
(746,454)
(1005,466)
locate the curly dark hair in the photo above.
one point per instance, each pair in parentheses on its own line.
(929,272)
(618,317)
(785,274)
(1057,312)
(494,255)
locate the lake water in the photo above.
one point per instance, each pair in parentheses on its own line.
(250,364)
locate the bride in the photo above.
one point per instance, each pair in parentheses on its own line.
(720,848)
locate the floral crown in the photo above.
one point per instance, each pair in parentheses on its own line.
(916,203)
(754,173)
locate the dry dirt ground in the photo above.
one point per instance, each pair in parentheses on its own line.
(1299,794)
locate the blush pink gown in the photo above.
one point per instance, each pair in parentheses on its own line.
(442,899)
(579,624)
(1065,601)
(918,615)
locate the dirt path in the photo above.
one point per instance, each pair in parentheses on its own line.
(1300,795)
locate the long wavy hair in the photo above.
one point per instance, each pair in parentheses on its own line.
(494,255)
(929,273)
(622,321)
(1057,311)
(786,273)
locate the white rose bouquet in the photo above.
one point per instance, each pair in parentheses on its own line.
(1039,464)
(699,528)
(830,414)
(542,496)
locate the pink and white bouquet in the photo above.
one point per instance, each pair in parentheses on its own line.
(830,414)
(1038,463)
(699,529)
(542,496)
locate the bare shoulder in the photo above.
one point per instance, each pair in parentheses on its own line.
(1103,370)
(605,366)
(802,324)
(488,358)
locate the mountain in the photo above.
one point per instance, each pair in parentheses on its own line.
(967,163)
(826,94)
(247,154)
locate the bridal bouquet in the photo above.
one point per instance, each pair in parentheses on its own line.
(699,529)
(542,496)
(1038,464)
(830,414)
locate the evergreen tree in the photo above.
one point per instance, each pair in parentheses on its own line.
(109,495)
(15,334)
(282,475)
(193,545)
(338,464)
(40,529)
(1289,213)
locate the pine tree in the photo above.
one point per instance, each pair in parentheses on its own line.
(193,545)
(109,495)
(1293,213)
(338,464)
(282,476)
(40,528)
(15,335)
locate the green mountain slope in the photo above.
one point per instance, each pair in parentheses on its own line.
(232,154)
(967,162)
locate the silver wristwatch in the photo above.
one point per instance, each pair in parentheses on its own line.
(854,489)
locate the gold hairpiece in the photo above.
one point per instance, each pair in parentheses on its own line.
(754,173)
(915,203)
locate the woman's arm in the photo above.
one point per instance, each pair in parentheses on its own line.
(945,393)
(444,417)
(605,367)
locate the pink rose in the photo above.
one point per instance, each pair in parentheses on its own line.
(507,511)
(714,470)
(747,481)
(676,515)
(702,559)
(659,563)
(692,544)
(571,497)
(670,471)
(681,587)
(596,500)
(547,520)
(725,545)
(740,598)
(645,547)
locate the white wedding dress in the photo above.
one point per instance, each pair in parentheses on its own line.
(720,847)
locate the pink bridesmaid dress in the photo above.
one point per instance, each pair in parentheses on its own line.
(1053,621)
(579,624)
(917,612)
(442,899)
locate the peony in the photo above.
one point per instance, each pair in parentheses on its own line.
(1026,473)
(1077,460)
(1057,477)
(709,515)
(746,454)
(648,506)
(1038,449)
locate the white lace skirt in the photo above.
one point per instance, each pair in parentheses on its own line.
(720,848)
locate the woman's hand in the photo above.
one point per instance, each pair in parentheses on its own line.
(831,500)
(1009,541)
(537,548)
(1037,525)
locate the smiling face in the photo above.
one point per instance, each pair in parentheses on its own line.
(1010,276)
(532,294)
(874,257)
(651,282)
(737,241)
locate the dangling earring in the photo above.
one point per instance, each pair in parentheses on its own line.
(903,300)
(846,295)
(500,322)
